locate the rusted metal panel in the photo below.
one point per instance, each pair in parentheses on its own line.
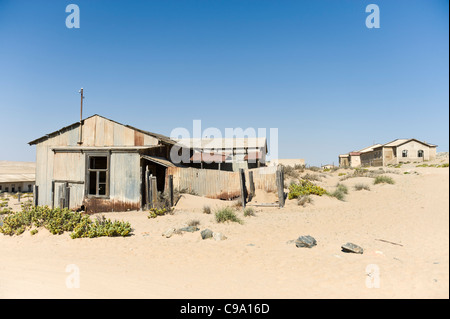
(138,138)
(98,205)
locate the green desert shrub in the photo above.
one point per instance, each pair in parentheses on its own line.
(305,187)
(383,179)
(226,214)
(155,212)
(58,221)
(337,194)
(101,227)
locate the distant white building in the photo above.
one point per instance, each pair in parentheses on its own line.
(395,152)
(17,177)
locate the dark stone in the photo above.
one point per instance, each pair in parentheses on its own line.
(190,229)
(206,233)
(305,241)
(352,248)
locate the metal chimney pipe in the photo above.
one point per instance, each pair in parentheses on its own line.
(81,119)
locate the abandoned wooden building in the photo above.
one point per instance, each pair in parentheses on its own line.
(98,164)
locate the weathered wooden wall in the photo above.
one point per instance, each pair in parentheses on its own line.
(220,184)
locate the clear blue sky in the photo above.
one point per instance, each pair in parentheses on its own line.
(312,69)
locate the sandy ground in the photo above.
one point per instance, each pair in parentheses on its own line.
(256,260)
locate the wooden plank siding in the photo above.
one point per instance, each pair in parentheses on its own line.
(220,184)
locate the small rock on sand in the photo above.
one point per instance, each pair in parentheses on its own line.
(168,233)
(305,241)
(190,229)
(206,233)
(352,248)
(219,236)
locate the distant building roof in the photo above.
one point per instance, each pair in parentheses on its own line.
(402,141)
(370,148)
(11,172)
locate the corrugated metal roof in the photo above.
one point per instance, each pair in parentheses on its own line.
(370,148)
(396,142)
(160,137)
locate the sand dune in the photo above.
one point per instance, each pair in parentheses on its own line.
(403,229)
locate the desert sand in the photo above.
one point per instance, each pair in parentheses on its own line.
(403,229)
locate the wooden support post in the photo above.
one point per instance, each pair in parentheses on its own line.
(35,195)
(67,196)
(154,191)
(251,183)
(242,182)
(280,186)
(18,197)
(61,196)
(171,190)
(147,189)
(53,194)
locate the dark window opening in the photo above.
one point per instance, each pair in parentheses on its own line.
(98,172)
(420,153)
(405,153)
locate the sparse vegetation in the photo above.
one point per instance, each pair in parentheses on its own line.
(433,165)
(311,177)
(383,179)
(337,194)
(155,212)
(303,200)
(290,171)
(206,209)
(194,222)
(359,187)
(227,214)
(248,211)
(340,192)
